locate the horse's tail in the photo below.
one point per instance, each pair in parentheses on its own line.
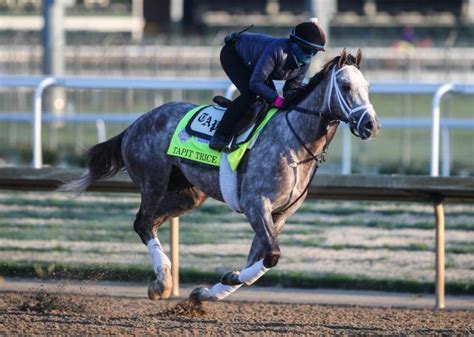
(104,160)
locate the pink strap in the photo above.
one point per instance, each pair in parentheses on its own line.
(278,102)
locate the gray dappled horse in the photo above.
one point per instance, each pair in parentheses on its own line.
(272,178)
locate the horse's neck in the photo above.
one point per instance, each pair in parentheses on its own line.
(308,126)
(316,100)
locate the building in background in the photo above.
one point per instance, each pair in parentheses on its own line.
(352,21)
(183,37)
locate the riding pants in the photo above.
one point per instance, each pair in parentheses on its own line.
(240,75)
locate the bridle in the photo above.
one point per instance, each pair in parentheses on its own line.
(350,120)
(319,158)
(344,106)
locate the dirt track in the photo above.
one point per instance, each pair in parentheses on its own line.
(43,312)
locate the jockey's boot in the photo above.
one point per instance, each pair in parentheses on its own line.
(226,128)
(219,142)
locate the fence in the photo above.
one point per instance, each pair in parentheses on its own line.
(437,90)
(114,57)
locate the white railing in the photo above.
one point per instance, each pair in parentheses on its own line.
(434,64)
(438,91)
(107,83)
(436,115)
(395,88)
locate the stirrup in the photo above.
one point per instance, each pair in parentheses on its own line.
(221,142)
(232,146)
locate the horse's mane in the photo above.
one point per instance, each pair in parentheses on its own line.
(314,81)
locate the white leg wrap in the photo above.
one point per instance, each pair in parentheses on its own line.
(220,291)
(253,273)
(158,258)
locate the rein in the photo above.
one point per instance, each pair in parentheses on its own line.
(354,127)
(320,158)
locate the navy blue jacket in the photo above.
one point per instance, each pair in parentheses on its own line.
(269,58)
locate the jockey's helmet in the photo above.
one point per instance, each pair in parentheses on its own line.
(309,36)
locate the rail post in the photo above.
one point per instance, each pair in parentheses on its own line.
(346,150)
(434,172)
(101,131)
(37,120)
(230,91)
(438,204)
(174,247)
(435,126)
(440,278)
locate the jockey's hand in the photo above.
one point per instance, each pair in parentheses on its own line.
(278,103)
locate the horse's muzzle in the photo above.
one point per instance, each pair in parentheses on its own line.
(367,128)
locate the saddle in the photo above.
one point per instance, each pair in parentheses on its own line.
(191,137)
(204,123)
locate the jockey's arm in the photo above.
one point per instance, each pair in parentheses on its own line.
(261,73)
(292,84)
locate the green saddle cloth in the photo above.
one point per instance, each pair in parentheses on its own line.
(197,149)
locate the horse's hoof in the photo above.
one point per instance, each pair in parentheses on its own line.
(231,278)
(162,286)
(156,291)
(201,294)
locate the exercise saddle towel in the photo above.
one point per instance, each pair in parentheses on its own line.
(193,133)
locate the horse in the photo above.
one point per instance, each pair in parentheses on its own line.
(273,177)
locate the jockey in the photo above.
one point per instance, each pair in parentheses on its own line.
(253,61)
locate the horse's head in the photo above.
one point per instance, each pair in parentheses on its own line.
(348,96)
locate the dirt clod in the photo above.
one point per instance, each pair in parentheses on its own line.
(44,302)
(186,308)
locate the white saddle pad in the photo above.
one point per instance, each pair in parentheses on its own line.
(229,185)
(204,124)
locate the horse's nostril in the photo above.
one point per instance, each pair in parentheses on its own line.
(368,126)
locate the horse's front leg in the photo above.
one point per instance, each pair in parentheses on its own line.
(256,254)
(264,254)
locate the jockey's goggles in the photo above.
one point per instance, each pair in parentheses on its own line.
(306,46)
(307,50)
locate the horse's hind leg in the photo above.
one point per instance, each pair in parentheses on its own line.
(173,204)
(143,226)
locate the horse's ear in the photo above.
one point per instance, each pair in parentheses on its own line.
(343,58)
(358,57)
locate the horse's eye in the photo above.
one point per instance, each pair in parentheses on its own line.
(346,86)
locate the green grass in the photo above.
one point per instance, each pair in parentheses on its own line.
(73,203)
(309,242)
(383,224)
(459,248)
(108,218)
(38,250)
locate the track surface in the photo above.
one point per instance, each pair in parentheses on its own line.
(43,311)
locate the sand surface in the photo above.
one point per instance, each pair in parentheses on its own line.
(44,310)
